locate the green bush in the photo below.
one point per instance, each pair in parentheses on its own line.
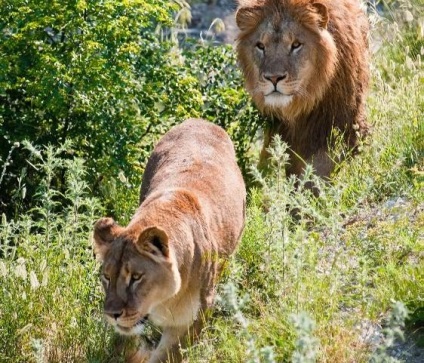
(111,78)
(70,71)
(225,102)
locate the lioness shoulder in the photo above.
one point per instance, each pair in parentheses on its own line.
(163,266)
(305,64)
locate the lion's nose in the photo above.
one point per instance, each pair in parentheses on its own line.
(275,78)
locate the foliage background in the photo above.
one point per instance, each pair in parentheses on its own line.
(109,77)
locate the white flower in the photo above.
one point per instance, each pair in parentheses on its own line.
(407,16)
(3,269)
(45,278)
(33,281)
(20,271)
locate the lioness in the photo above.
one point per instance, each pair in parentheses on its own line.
(163,266)
(305,64)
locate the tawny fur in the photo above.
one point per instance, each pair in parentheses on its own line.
(164,265)
(327,77)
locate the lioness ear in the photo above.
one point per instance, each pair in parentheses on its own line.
(105,231)
(154,241)
(322,11)
(247,17)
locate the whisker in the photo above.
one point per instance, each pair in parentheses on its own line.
(301,90)
(257,90)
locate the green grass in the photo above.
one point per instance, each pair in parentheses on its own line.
(298,288)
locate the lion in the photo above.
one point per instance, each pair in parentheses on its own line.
(162,268)
(305,64)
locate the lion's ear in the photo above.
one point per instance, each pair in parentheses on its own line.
(154,242)
(105,231)
(322,11)
(248,17)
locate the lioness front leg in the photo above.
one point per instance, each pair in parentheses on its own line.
(139,356)
(134,350)
(168,350)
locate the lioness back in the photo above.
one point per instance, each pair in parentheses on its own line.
(199,156)
(163,266)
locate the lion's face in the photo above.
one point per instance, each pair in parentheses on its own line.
(287,62)
(284,63)
(137,274)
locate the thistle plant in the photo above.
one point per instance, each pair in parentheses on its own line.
(229,300)
(391,332)
(306,345)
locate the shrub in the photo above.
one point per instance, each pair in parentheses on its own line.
(71,72)
(111,78)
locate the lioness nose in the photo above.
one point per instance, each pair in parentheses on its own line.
(114,313)
(275,78)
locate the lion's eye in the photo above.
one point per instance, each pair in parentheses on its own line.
(135,278)
(296,45)
(106,278)
(260,46)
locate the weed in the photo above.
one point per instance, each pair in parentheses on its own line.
(392,331)
(306,344)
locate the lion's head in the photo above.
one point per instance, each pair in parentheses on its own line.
(138,273)
(286,53)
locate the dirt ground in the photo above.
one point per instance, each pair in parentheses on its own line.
(204,14)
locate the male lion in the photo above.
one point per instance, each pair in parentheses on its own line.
(305,64)
(163,266)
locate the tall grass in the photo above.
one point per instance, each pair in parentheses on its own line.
(49,295)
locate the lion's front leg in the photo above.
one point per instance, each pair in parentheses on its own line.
(322,163)
(264,156)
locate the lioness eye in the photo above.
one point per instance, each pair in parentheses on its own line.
(296,45)
(260,46)
(136,277)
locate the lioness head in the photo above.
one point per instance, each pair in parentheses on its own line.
(137,273)
(286,53)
